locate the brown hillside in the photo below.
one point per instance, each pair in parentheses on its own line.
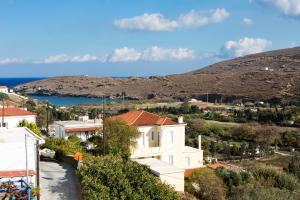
(264,76)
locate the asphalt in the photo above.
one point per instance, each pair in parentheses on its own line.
(58,181)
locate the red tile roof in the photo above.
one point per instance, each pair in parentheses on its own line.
(15,112)
(218,164)
(143,118)
(80,129)
(2,87)
(16,173)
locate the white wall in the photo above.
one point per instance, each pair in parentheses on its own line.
(13,157)
(13,121)
(4,90)
(195,159)
(176,180)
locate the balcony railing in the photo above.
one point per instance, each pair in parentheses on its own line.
(147,152)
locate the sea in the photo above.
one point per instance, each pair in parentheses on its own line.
(55,100)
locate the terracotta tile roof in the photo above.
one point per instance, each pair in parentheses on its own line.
(15,112)
(218,164)
(80,129)
(2,87)
(143,118)
(16,173)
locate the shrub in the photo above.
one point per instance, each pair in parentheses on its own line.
(206,185)
(111,177)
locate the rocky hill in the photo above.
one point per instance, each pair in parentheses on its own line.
(272,76)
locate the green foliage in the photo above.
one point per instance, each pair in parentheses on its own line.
(117,139)
(63,146)
(294,166)
(32,126)
(249,192)
(275,178)
(111,177)
(206,185)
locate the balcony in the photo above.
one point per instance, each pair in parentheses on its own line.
(148,152)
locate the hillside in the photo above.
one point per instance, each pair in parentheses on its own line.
(265,76)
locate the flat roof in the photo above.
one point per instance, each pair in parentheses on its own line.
(17,135)
(188,149)
(159,167)
(79,123)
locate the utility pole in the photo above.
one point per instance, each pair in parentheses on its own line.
(2,125)
(207,97)
(103,121)
(47,118)
(37,167)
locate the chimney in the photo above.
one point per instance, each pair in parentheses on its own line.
(180,120)
(199,142)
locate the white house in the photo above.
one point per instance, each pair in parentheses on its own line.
(10,117)
(82,128)
(19,154)
(163,139)
(3,89)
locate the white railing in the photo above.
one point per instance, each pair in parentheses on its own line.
(147,152)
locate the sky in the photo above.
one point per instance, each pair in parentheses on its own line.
(122,38)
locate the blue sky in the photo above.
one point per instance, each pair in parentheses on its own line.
(138,37)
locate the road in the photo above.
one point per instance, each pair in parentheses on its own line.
(58,181)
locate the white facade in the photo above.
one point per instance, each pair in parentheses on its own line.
(167,143)
(14,152)
(3,89)
(167,173)
(82,128)
(13,121)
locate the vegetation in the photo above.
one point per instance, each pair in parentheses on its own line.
(206,185)
(253,183)
(32,126)
(111,177)
(116,139)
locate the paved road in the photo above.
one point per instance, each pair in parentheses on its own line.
(58,182)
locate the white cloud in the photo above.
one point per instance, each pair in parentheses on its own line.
(125,54)
(150,22)
(63,58)
(7,61)
(288,7)
(158,22)
(245,46)
(158,54)
(248,21)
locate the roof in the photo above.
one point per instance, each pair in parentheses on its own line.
(16,173)
(143,118)
(80,129)
(159,167)
(15,112)
(218,164)
(3,87)
(17,135)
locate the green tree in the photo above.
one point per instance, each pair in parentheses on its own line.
(117,138)
(111,177)
(32,126)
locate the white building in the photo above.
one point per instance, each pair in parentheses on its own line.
(82,128)
(13,165)
(12,116)
(164,140)
(3,89)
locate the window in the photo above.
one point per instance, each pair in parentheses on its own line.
(158,139)
(152,136)
(171,137)
(144,138)
(187,161)
(171,159)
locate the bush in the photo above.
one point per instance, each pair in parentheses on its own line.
(206,185)
(111,177)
